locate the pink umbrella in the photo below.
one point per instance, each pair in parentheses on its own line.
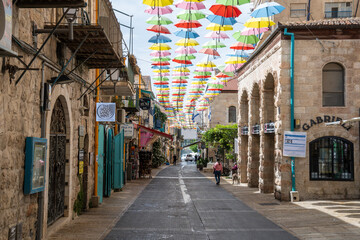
(190,5)
(253,31)
(181,74)
(204,69)
(159,10)
(217,35)
(161,75)
(209,51)
(232,67)
(185,50)
(160,53)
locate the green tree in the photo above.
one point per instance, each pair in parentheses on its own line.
(194,148)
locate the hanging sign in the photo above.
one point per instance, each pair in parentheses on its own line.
(128,129)
(105,112)
(144,103)
(294,144)
(5,25)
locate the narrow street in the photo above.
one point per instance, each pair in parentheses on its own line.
(180,203)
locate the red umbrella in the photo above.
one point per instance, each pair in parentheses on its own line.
(182,61)
(179,94)
(188,24)
(160,63)
(158,29)
(203,76)
(222,75)
(161,83)
(180,81)
(225,11)
(242,46)
(209,51)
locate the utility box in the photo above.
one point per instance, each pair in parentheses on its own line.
(294,195)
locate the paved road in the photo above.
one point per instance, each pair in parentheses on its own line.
(182,204)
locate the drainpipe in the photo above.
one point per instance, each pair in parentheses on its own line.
(292,46)
(96,123)
(308,15)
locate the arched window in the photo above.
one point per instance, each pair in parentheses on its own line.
(232,114)
(333,85)
(331,158)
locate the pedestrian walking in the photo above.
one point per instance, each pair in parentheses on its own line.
(217,171)
(174,158)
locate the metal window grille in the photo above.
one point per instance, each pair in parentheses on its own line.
(331,159)
(333,85)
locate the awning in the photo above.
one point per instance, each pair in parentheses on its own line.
(161,134)
(50,3)
(97,47)
(149,93)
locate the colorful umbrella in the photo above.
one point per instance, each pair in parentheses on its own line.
(192,5)
(259,23)
(225,11)
(186,62)
(242,46)
(159,20)
(158,29)
(161,74)
(232,2)
(188,24)
(185,50)
(159,39)
(160,67)
(158,3)
(267,9)
(232,67)
(161,70)
(217,27)
(160,59)
(181,69)
(250,39)
(238,53)
(160,63)
(160,78)
(159,10)
(206,64)
(253,31)
(217,35)
(186,42)
(185,57)
(186,34)
(235,60)
(221,20)
(160,53)
(209,51)
(213,44)
(160,47)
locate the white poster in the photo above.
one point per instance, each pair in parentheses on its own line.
(236,145)
(294,144)
(128,129)
(105,112)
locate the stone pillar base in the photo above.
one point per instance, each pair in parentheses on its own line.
(94,201)
(294,196)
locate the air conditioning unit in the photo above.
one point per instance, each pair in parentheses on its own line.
(121,116)
(6,28)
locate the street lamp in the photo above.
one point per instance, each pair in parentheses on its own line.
(114,76)
(70,17)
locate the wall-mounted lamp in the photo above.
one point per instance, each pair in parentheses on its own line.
(114,76)
(70,17)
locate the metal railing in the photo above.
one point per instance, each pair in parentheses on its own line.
(338,14)
(108,21)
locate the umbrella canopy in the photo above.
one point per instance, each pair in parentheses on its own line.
(160,67)
(232,2)
(213,44)
(217,27)
(188,24)
(192,5)
(158,29)
(235,60)
(191,15)
(238,53)
(206,69)
(159,20)
(160,63)
(209,51)
(232,67)
(186,34)
(185,57)
(161,70)
(267,9)
(206,64)
(221,20)
(160,78)
(225,11)
(187,62)
(160,53)
(242,46)
(253,31)
(159,39)
(185,50)
(158,3)
(180,81)
(160,59)
(186,42)
(217,35)
(259,23)
(159,10)
(181,69)
(250,39)
(161,74)
(160,47)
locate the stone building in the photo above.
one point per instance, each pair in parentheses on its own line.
(326,88)
(65,118)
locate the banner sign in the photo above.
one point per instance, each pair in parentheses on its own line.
(105,112)
(294,144)
(144,103)
(128,129)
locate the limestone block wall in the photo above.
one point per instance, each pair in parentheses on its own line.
(220,108)
(20,118)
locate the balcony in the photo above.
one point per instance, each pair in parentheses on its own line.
(338,14)
(50,3)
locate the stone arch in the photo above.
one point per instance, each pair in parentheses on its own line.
(267,152)
(243,139)
(254,139)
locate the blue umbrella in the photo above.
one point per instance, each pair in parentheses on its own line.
(241,54)
(221,20)
(160,67)
(186,34)
(267,9)
(159,39)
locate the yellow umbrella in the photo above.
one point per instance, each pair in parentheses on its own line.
(161,70)
(158,3)
(218,27)
(186,42)
(159,88)
(179,88)
(235,60)
(259,23)
(160,47)
(206,64)
(183,69)
(194,0)
(198,82)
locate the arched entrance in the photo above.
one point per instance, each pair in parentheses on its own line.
(254,138)
(57,163)
(244,121)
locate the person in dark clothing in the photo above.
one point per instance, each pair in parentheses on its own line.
(174,159)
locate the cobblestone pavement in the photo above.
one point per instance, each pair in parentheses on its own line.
(180,203)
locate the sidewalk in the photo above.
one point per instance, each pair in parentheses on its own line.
(323,219)
(96,223)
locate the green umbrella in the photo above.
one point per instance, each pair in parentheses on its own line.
(250,39)
(222,69)
(213,85)
(189,16)
(185,57)
(161,59)
(232,2)
(203,73)
(181,77)
(161,79)
(155,20)
(213,44)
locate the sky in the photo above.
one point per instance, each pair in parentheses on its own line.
(141,36)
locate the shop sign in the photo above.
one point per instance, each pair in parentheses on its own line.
(144,103)
(128,129)
(5,25)
(105,112)
(324,119)
(294,144)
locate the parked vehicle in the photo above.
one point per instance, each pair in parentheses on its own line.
(189,157)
